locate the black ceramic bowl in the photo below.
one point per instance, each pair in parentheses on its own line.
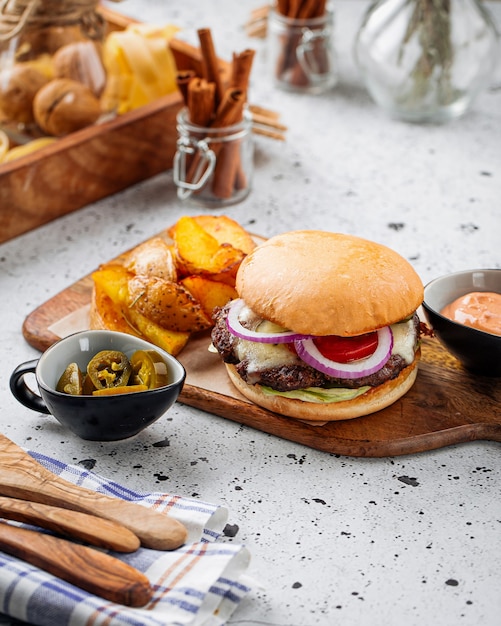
(478,351)
(97,418)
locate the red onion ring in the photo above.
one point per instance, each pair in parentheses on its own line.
(310,354)
(236,328)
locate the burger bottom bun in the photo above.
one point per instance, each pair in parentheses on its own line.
(375,399)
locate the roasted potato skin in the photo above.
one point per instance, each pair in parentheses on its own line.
(154,257)
(168,304)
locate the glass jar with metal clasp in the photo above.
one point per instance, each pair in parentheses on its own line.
(213,166)
(301,52)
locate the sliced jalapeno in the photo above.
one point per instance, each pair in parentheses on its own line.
(112,391)
(149,369)
(71,381)
(87,386)
(109,368)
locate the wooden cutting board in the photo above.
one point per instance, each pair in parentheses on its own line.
(447,405)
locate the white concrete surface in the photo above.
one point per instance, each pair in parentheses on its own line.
(335,540)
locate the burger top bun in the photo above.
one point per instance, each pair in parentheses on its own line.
(323,283)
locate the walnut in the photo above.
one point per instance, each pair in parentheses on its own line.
(37,41)
(81,61)
(18,86)
(63,106)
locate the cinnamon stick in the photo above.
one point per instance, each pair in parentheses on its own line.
(201,99)
(283,7)
(321,8)
(241,68)
(257,25)
(212,71)
(230,111)
(260,110)
(301,9)
(186,56)
(294,8)
(213,105)
(228,172)
(182,81)
(310,9)
(266,132)
(228,163)
(264,120)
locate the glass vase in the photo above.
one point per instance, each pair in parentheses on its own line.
(426,60)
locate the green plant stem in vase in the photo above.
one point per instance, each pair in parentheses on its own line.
(426,60)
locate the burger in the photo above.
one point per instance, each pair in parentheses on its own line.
(324,328)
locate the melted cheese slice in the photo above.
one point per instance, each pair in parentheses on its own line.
(262,356)
(404,340)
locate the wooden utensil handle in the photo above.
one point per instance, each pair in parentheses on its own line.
(155,530)
(89,528)
(23,477)
(87,568)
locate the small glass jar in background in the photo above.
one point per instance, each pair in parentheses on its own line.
(301,52)
(213,167)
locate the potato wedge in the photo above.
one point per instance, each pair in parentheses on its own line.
(109,310)
(199,252)
(168,304)
(209,293)
(225,230)
(105,314)
(152,258)
(112,279)
(169,340)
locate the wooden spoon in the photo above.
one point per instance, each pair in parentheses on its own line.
(87,568)
(23,477)
(89,528)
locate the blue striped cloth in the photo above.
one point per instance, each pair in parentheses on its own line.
(198,584)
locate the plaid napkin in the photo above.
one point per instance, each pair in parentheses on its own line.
(201,583)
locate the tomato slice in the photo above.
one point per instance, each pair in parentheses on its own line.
(346,349)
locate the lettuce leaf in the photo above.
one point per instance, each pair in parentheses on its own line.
(318,394)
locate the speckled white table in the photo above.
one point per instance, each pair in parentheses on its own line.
(334,540)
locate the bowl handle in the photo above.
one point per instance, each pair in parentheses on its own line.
(22,392)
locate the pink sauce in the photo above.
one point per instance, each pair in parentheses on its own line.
(478,309)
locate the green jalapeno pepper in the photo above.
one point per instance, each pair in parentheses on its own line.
(109,368)
(71,381)
(111,391)
(149,369)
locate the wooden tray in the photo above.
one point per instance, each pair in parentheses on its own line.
(447,405)
(95,162)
